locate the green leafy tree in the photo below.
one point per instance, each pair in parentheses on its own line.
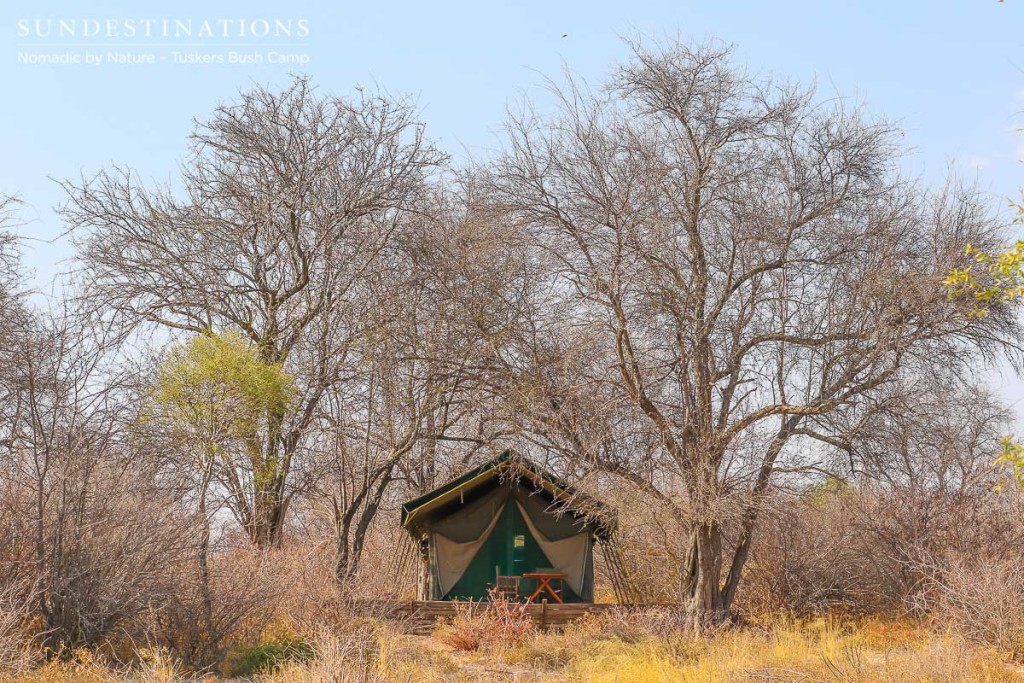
(993,280)
(214,395)
(218,392)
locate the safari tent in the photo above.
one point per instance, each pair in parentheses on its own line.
(505,520)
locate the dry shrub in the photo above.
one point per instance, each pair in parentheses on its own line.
(357,656)
(305,588)
(315,604)
(388,563)
(982,601)
(465,631)
(108,552)
(808,559)
(244,591)
(652,543)
(16,653)
(839,548)
(494,625)
(349,635)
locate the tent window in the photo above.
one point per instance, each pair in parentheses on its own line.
(519,541)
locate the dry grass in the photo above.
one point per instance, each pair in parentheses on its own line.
(646,648)
(495,625)
(155,666)
(819,651)
(613,649)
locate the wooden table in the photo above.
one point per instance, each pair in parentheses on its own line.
(544,580)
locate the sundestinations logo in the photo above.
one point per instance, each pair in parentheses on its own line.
(202,29)
(150,40)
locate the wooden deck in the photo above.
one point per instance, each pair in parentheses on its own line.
(422,616)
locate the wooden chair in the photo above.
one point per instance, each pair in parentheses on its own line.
(507,586)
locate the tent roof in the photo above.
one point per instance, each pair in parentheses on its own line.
(418,510)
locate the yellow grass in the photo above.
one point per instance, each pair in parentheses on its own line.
(826,651)
(821,652)
(155,666)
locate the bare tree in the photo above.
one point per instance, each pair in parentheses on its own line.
(13,314)
(288,200)
(101,531)
(733,261)
(412,383)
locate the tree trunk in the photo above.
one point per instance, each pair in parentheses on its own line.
(701,589)
(350,552)
(51,640)
(351,538)
(423,573)
(203,558)
(271,465)
(268,518)
(269,500)
(344,566)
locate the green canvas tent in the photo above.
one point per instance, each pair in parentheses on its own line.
(506,517)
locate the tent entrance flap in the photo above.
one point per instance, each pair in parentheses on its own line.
(568,555)
(453,557)
(457,538)
(516,546)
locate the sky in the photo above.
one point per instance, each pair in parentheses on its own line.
(951,73)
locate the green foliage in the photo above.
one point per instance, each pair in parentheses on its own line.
(994,278)
(1012,456)
(269,656)
(832,486)
(220,389)
(991,278)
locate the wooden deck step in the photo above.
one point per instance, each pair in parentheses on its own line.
(422,616)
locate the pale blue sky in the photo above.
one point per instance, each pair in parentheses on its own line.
(951,72)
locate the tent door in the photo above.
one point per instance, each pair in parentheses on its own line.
(519,554)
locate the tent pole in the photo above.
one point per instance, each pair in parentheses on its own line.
(626,592)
